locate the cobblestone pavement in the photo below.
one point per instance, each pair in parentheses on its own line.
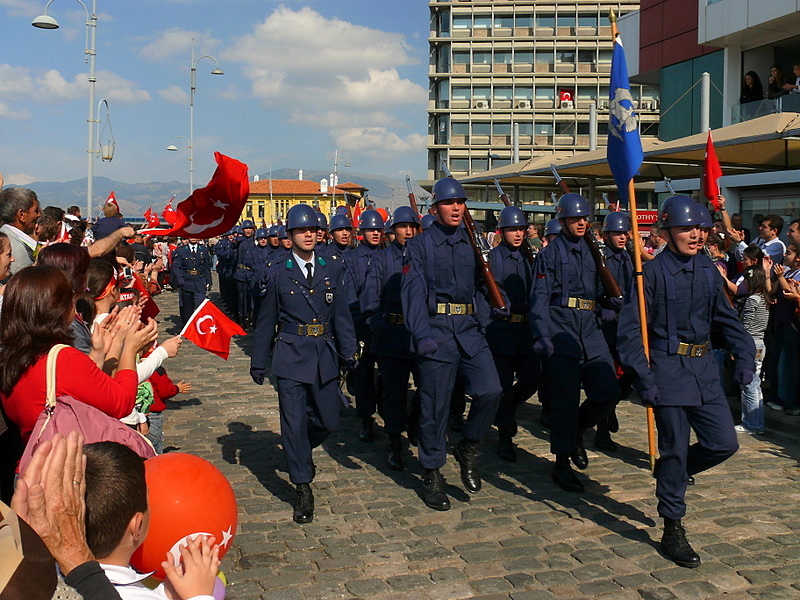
(521,537)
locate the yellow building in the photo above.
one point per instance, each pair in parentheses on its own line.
(271,199)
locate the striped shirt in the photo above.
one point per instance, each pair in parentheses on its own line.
(754,315)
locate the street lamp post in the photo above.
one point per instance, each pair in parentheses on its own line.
(47,22)
(173,148)
(193,86)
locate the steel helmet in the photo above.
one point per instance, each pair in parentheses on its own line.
(237,229)
(405,214)
(447,189)
(282,235)
(340,222)
(617,221)
(301,215)
(370,219)
(248,224)
(706,222)
(272,231)
(553,227)
(261,232)
(572,205)
(322,221)
(512,216)
(679,211)
(427,221)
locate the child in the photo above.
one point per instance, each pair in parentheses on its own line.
(754,313)
(163,389)
(117,520)
(785,360)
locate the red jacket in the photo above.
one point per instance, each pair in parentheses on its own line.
(163,389)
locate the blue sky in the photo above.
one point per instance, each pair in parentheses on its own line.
(302,79)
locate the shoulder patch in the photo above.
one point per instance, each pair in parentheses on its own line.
(289,264)
(321,261)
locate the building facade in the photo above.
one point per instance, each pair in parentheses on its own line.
(510,80)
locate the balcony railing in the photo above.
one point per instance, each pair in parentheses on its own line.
(753,110)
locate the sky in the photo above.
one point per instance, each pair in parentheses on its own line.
(302,80)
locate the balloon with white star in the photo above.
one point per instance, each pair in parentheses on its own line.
(188,497)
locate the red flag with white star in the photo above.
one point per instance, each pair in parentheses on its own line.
(208,328)
(169,214)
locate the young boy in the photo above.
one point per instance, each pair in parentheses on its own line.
(117,520)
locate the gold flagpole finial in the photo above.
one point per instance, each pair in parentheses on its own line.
(612,16)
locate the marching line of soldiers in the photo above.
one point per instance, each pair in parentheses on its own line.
(377,316)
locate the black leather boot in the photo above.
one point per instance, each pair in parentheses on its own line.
(579,456)
(433,493)
(675,546)
(366,434)
(466,452)
(602,439)
(505,444)
(563,475)
(395,458)
(304,509)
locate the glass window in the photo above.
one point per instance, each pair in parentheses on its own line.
(444,89)
(544,57)
(523,93)
(460,165)
(543,128)
(587,93)
(502,93)
(461,93)
(523,20)
(481,128)
(504,21)
(565,56)
(483,21)
(460,128)
(444,23)
(481,93)
(524,57)
(460,58)
(545,21)
(501,129)
(566,20)
(502,57)
(480,164)
(583,128)
(481,58)
(545,93)
(586,56)
(462,22)
(500,162)
(587,20)
(604,56)
(526,128)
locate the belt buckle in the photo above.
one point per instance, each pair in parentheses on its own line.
(315,329)
(584,304)
(457,309)
(697,350)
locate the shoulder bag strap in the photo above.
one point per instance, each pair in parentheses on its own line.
(51,374)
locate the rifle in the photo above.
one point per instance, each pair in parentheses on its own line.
(526,247)
(412,199)
(475,239)
(610,285)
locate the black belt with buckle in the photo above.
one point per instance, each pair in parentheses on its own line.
(449,308)
(305,329)
(192,272)
(396,318)
(515,318)
(580,303)
(684,349)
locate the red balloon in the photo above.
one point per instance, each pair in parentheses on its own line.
(384,215)
(187,496)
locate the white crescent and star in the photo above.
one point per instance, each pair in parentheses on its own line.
(200,321)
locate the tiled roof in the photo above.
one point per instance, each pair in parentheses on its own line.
(299,187)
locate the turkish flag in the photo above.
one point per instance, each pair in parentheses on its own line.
(214,209)
(357,214)
(711,173)
(169,214)
(209,329)
(151,217)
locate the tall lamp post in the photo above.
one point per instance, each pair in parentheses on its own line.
(173,148)
(216,71)
(45,21)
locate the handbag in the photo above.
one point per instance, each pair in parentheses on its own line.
(63,414)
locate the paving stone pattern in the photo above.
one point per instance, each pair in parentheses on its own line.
(520,538)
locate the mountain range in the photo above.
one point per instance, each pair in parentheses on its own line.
(135,198)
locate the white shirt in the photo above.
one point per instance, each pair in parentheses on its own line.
(302,264)
(128,584)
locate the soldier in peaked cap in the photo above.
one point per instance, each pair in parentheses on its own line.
(442,305)
(509,336)
(566,333)
(683,297)
(357,264)
(390,339)
(191,275)
(306,329)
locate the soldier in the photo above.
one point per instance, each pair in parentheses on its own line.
(616,228)
(551,230)
(243,275)
(191,274)
(388,231)
(308,333)
(322,233)
(566,333)
(390,339)
(285,243)
(441,305)
(509,336)
(341,230)
(356,266)
(427,221)
(272,238)
(683,297)
(226,262)
(257,259)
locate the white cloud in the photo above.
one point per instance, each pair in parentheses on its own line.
(174,94)
(378,141)
(53,87)
(20,178)
(178,42)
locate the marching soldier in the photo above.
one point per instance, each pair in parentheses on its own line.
(226,262)
(509,336)
(390,339)
(257,259)
(341,230)
(272,238)
(427,221)
(307,331)
(285,243)
(243,275)
(441,306)
(191,274)
(322,233)
(566,333)
(683,297)
(356,266)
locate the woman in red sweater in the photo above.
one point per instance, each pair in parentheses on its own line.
(37,311)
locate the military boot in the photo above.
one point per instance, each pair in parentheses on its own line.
(466,452)
(366,434)
(563,475)
(395,458)
(304,509)
(433,493)
(675,546)
(579,456)
(505,444)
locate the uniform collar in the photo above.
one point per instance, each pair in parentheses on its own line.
(677,262)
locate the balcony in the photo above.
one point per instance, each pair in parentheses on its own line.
(753,110)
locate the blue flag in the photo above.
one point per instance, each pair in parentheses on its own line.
(624,150)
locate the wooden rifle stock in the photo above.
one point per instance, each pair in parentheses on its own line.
(525,247)
(412,199)
(495,297)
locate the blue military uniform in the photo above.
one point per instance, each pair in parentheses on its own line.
(257,259)
(226,263)
(243,276)
(191,274)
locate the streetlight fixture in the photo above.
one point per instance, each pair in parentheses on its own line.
(45,21)
(193,86)
(173,148)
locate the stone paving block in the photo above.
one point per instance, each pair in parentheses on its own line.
(446,591)
(636,581)
(554,578)
(410,582)
(367,587)
(657,594)
(599,588)
(284,594)
(773,592)
(760,577)
(533,595)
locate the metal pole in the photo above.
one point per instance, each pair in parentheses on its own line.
(705,101)
(515,132)
(593,126)
(192,86)
(91,25)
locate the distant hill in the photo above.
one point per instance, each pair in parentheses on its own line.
(134,198)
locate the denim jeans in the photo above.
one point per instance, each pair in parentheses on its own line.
(787,342)
(752,399)
(156,433)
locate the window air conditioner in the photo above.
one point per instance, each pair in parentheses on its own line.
(481,104)
(567,104)
(524,104)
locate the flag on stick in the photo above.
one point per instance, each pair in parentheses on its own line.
(151,217)
(711,173)
(624,150)
(169,214)
(208,328)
